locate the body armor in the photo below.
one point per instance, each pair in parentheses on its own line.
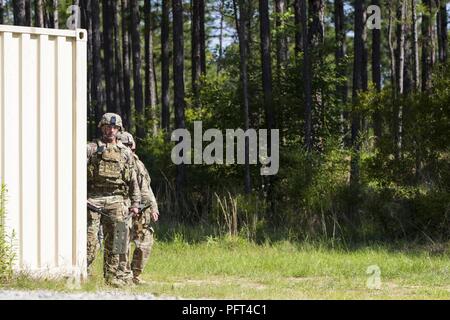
(108,172)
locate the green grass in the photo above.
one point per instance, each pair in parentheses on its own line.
(6,241)
(233,268)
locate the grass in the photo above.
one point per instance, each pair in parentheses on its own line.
(233,268)
(6,241)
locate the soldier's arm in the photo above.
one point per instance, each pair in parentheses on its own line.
(154,204)
(143,178)
(91,148)
(147,194)
(134,191)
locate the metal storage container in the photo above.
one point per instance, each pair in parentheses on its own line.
(43,146)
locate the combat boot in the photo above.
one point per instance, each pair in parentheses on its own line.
(115,283)
(138,281)
(128,281)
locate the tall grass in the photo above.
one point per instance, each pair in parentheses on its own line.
(311,201)
(6,246)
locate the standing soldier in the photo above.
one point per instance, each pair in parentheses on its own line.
(112,188)
(142,232)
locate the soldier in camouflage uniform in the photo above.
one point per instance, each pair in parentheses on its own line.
(112,186)
(142,233)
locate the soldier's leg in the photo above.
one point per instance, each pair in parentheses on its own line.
(111,260)
(142,252)
(93,225)
(143,239)
(124,260)
(115,264)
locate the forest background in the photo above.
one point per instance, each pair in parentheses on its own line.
(363,113)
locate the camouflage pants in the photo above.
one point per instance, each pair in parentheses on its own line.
(93,226)
(143,239)
(115,266)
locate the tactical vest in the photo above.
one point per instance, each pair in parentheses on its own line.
(142,172)
(108,172)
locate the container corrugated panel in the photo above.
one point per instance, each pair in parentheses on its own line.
(43,147)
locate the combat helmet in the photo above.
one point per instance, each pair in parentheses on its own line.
(111,119)
(127,139)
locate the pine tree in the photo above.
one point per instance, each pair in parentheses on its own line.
(137,80)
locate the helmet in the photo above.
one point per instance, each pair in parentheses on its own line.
(111,119)
(127,139)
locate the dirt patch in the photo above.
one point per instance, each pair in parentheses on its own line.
(55,295)
(242,282)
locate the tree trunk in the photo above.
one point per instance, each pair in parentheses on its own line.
(358,84)
(150,85)
(2,13)
(156,94)
(118,70)
(222,18)
(340,46)
(376,75)
(266,68)
(28,12)
(316,37)
(400,56)
(442,21)
(55,14)
(365,57)
(339,25)
(298,27)
(415,49)
(178,63)
(108,55)
(137,80)
(196,51)
(365,74)
(126,109)
(282,57)
(316,32)
(96,84)
(434,36)
(202,36)
(266,63)
(47,15)
(307,77)
(19,12)
(250,12)
(178,82)
(427,52)
(282,45)
(165,62)
(241,13)
(39,13)
(392,52)
(86,23)
(407,76)
(398,108)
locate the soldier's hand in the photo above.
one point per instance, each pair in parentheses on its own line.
(135,211)
(155,215)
